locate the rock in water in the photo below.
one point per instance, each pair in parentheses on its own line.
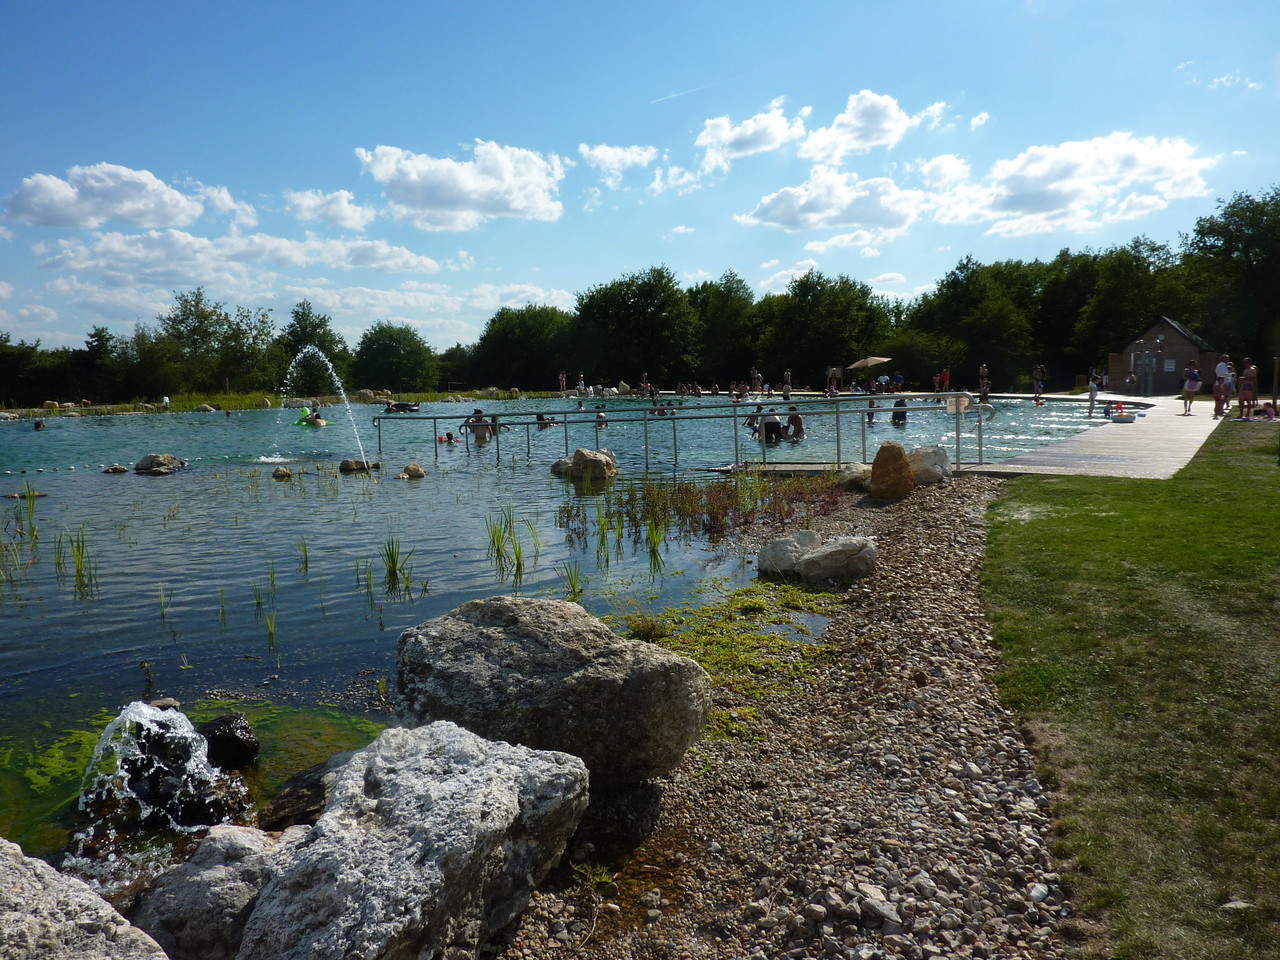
(232,744)
(562,466)
(780,556)
(891,475)
(430,844)
(159,464)
(547,674)
(281,473)
(841,561)
(197,911)
(358,466)
(204,408)
(45,915)
(929,464)
(415,472)
(593,465)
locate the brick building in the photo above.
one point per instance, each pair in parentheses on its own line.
(1158,357)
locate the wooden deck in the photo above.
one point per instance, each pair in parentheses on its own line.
(1154,446)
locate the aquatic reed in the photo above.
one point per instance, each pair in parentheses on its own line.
(574,583)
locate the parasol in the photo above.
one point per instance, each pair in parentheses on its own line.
(868,362)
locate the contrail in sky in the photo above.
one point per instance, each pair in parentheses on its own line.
(672,96)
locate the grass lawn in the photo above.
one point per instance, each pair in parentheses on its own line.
(1140,625)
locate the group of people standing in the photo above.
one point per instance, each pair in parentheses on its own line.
(1227,385)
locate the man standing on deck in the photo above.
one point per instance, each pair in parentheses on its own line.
(1093,393)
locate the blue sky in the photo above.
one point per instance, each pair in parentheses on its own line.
(430,163)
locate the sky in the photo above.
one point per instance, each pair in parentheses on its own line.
(429,163)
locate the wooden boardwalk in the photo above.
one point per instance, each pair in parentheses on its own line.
(1153,447)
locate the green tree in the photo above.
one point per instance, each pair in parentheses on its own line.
(727,325)
(818,323)
(1234,256)
(393,356)
(639,323)
(307,328)
(523,346)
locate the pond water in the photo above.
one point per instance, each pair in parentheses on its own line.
(218,578)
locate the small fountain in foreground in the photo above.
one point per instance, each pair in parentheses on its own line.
(149,777)
(317,353)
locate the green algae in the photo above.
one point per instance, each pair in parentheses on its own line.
(749,640)
(41,769)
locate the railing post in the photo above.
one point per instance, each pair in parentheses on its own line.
(958,417)
(497,441)
(646,440)
(733,423)
(565,422)
(435,437)
(675,442)
(862,423)
(379,424)
(839,447)
(528,444)
(980,460)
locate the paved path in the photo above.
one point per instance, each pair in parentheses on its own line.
(1154,447)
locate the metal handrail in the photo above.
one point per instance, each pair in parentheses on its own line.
(857,404)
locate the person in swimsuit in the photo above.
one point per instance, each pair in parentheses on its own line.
(795,424)
(1248,388)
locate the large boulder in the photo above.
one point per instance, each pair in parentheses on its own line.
(430,844)
(45,915)
(51,405)
(779,557)
(159,464)
(929,464)
(197,911)
(891,474)
(562,466)
(841,561)
(624,388)
(358,466)
(593,465)
(414,471)
(205,408)
(547,674)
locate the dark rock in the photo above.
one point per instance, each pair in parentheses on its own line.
(232,744)
(159,464)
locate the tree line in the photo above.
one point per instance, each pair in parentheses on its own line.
(1222,280)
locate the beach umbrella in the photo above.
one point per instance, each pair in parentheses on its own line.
(868,362)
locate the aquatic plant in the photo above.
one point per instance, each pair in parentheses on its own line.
(86,575)
(164,601)
(222,607)
(183,664)
(304,557)
(271,577)
(59,555)
(574,583)
(257,596)
(271,628)
(396,566)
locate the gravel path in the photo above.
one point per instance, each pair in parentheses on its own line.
(890,808)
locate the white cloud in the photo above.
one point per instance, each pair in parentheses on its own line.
(1068,186)
(338,208)
(869,120)
(979,120)
(242,214)
(5,233)
(1234,79)
(440,193)
(858,238)
(830,198)
(869,252)
(489,296)
(724,141)
(681,228)
(888,278)
(232,263)
(944,170)
(1133,206)
(769,264)
(675,178)
(92,195)
(777,282)
(460,261)
(6,290)
(612,162)
(696,276)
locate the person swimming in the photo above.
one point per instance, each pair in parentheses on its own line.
(38,425)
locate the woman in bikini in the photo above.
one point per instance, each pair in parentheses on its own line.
(1248,388)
